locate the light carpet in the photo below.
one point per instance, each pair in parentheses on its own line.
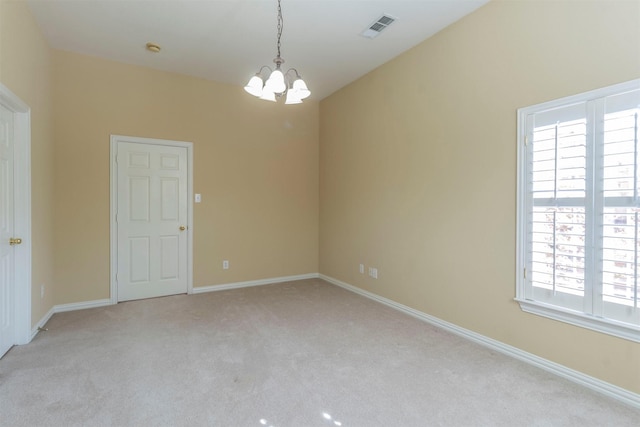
(303,353)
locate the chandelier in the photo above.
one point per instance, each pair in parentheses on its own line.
(278,84)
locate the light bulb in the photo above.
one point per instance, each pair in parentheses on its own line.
(276,82)
(254,87)
(292,98)
(300,87)
(268,95)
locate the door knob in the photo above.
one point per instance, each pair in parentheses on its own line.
(15,241)
(182,228)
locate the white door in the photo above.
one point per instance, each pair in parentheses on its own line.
(151,218)
(7,257)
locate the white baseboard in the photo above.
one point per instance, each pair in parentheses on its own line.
(61,308)
(250,283)
(595,384)
(82,305)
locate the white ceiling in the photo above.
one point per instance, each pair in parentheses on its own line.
(228,40)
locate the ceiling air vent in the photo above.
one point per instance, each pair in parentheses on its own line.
(378,26)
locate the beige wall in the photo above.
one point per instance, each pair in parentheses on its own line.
(418,168)
(256,166)
(25,68)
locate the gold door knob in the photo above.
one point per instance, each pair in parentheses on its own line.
(182,228)
(15,241)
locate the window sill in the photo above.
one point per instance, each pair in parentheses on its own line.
(604,326)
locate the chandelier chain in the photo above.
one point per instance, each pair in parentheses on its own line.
(280,26)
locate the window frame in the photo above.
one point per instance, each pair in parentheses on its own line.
(525,207)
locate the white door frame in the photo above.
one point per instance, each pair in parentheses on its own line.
(22,209)
(115,139)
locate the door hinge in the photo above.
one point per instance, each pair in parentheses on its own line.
(525,273)
(526,140)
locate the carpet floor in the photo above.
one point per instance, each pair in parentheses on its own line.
(303,353)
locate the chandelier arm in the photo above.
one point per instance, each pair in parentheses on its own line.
(263,67)
(295,71)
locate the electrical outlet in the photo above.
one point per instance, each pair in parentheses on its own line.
(41,291)
(361,268)
(373,272)
(225,264)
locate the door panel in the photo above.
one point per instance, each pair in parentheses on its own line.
(170,193)
(152,206)
(139,198)
(7,257)
(139,260)
(170,250)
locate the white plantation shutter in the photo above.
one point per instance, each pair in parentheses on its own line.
(579,209)
(557,249)
(619,185)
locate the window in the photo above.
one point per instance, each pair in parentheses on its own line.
(579,210)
